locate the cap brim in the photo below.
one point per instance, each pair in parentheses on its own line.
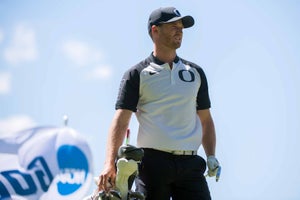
(187,21)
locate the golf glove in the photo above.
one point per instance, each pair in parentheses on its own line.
(213,167)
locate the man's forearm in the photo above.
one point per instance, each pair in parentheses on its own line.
(116,134)
(208,132)
(209,138)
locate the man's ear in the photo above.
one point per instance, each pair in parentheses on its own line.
(154,29)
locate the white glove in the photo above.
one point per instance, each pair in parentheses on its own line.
(214,168)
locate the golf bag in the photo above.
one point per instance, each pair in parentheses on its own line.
(127,169)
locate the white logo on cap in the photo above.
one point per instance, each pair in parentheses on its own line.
(177,13)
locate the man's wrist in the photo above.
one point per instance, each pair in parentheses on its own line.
(211,156)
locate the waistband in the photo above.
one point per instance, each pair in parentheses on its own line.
(176,152)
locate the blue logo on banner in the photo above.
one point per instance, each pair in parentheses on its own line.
(73,167)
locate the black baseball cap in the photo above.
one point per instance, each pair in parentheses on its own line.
(166,15)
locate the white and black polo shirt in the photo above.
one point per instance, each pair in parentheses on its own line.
(166,102)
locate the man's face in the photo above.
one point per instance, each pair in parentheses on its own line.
(170,34)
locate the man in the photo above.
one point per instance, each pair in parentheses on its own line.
(169,96)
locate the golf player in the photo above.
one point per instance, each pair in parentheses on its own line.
(169,96)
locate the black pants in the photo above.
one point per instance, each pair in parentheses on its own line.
(163,175)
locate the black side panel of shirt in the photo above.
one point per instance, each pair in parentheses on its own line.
(129,88)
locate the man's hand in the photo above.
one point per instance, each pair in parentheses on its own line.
(107,178)
(214,168)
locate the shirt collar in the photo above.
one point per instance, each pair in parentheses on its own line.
(159,62)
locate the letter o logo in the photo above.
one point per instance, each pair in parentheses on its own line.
(186,75)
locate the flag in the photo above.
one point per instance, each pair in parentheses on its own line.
(45,163)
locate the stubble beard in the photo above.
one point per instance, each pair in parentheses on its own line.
(177,41)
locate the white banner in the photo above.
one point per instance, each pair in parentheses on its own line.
(45,163)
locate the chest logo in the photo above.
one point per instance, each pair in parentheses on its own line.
(152,73)
(186,75)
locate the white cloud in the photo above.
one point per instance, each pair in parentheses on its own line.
(101,72)
(15,123)
(5,83)
(23,46)
(81,53)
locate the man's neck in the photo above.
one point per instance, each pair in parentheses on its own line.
(166,56)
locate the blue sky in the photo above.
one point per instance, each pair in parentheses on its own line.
(67,57)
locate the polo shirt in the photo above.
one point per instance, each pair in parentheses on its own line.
(165,102)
